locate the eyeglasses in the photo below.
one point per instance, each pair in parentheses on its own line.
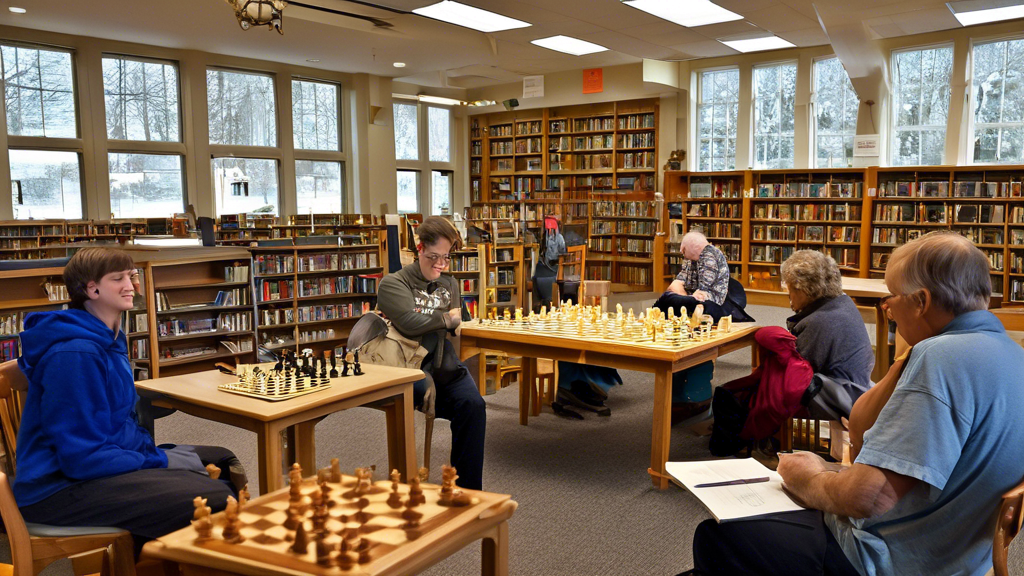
(434,258)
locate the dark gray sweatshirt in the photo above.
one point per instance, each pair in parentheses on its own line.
(830,334)
(418,309)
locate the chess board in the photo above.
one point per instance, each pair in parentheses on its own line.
(273,386)
(268,541)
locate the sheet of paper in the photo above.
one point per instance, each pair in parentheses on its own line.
(734,502)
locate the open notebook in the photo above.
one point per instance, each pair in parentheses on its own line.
(734,502)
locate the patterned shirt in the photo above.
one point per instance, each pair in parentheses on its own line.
(710,273)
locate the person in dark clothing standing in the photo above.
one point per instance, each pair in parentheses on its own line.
(425,305)
(83,458)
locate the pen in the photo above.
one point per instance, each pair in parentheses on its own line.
(734,482)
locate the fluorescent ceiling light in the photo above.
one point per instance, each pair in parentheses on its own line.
(990,15)
(481,103)
(469,17)
(569,45)
(399,64)
(689,13)
(758,44)
(17,10)
(439,100)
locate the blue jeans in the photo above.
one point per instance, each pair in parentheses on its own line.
(458,400)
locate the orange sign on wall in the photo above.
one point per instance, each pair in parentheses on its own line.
(593,80)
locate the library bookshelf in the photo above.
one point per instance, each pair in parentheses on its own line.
(39,239)
(247,229)
(23,292)
(502,279)
(467,266)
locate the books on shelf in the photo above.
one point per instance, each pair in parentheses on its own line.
(56,291)
(593,124)
(927,189)
(811,190)
(641,228)
(715,210)
(334,311)
(139,349)
(979,213)
(634,121)
(239,346)
(270,290)
(236,273)
(634,209)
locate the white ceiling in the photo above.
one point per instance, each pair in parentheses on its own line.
(439,54)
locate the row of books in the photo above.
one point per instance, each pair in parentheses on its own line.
(599,142)
(138,349)
(235,297)
(526,184)
(940,213)
(634,121)
(270,290)
(537,213)
(469,285)
(502,130)
(529,127)
(719,230)
(476,166)
(334,311)
(274,263)
(848,257)
(464,263)
(472,304)
(503,211)
(590,162)
(634,209)
(19,244)
(637,159)
(236,273)
(716,210)
(773,232)
(339,285)
(55,291)
(12,323)
(501,277)
(811,190)
(1016,293)
(642,228)
(940,189)
(10,349)
(982,235)
(560,144)
(316,335)
(503,165)
(831,212)
(636,275)
(1016,263)
(995,260)
(593,124)
(341,262)
(476,149)
(502,147)
(596,272)
(504,255)
(770,254)
(638,140)
(276,316)
(715,189)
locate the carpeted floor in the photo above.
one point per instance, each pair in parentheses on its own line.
(586,504)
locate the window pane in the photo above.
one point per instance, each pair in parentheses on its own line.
(835,108)
(774,105)
(242,108)
(440,139)
(719,101)
(998,101)
(318,187)
(408,192)
(315,115)
(406,133)
(142,100)
(39,91)
(245,185)
(921,105)
(440,193)
(45,184)
(145,185)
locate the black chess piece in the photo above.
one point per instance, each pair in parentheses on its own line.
(280,363)
(344,362)
(334,365)
(357,370)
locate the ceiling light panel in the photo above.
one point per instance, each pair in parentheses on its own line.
(689,13)
(758,44)
(569,45)
(469,17)
(973,17)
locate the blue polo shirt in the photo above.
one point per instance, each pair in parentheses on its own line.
(952,423)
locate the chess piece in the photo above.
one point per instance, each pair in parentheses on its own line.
(725,324)
(201,519)
(280,364)
(323,551)
(364,551)
(451,495)
(295,483)
(294,517)
(395,498)
(243,497)
(301,544)
(344,362)
(357,369)
(213,471)
(334,365)
(364,479)
(232,525)
(335,467)
(416,496)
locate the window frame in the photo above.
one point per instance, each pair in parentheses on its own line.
(698,101)
(424,165)
(813,128)
(892,127)
(753,107)
(340,155)
(972,100)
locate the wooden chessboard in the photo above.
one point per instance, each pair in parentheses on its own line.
(591,332)
(274,389)
(268,542)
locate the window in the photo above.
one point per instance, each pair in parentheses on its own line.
(141,100)
(39,91)
(998,102)
(314,115)
(242,108)
(408,192)
(406,132)
(439,121)
(440,193)
(835,114)
(255,179)
(145,185)
(717,109)
(920,105)
(318,187)
(774,100)
(49,184)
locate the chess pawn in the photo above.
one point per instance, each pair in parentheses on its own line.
(243,497)
(395,498)
(295,483)
(415,493)
(301,543)
(334,369)
(201,518)
(232,525)
(335,467)
(357,370)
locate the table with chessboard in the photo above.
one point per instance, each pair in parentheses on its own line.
(361,532)
(385,387)
(645,342)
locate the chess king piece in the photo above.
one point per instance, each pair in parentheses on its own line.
(232,525)
(357,369)
(201,519)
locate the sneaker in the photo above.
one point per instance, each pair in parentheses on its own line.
(570,397)
(685,410)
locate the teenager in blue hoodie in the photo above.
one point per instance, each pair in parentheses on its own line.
(83,459)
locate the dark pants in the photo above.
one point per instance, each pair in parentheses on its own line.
(148,503)
(679,303)
(793,544)
(458,401)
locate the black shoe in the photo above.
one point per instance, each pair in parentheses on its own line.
(568,397)
(686,410)
(564,412)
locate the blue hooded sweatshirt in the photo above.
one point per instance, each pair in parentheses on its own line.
(79,419)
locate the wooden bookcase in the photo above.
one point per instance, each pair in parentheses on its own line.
(23,292)
(503,279)
(310,296)
(468,267)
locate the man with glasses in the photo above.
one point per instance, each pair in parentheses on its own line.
(425,305)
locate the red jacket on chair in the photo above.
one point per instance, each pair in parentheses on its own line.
(773,391)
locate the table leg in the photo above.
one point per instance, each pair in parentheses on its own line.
(482,367)
(536,393)
(401,437)
(495,551)
(268,442)
(525,391)
(302,446)
(881,344)
(661,431)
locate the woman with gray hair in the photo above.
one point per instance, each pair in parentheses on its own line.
(923,494)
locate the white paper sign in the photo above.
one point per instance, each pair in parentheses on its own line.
(866,145)
(533,86)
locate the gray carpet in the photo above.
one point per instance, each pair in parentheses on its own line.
(586,504)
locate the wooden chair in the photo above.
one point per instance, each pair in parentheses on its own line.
(1008,524)
(36,546)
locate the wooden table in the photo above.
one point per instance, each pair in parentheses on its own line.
(197,394)
(444,531)
(869,292)
(662,362)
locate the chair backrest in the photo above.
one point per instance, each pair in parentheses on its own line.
(1008,524)
(13,387)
